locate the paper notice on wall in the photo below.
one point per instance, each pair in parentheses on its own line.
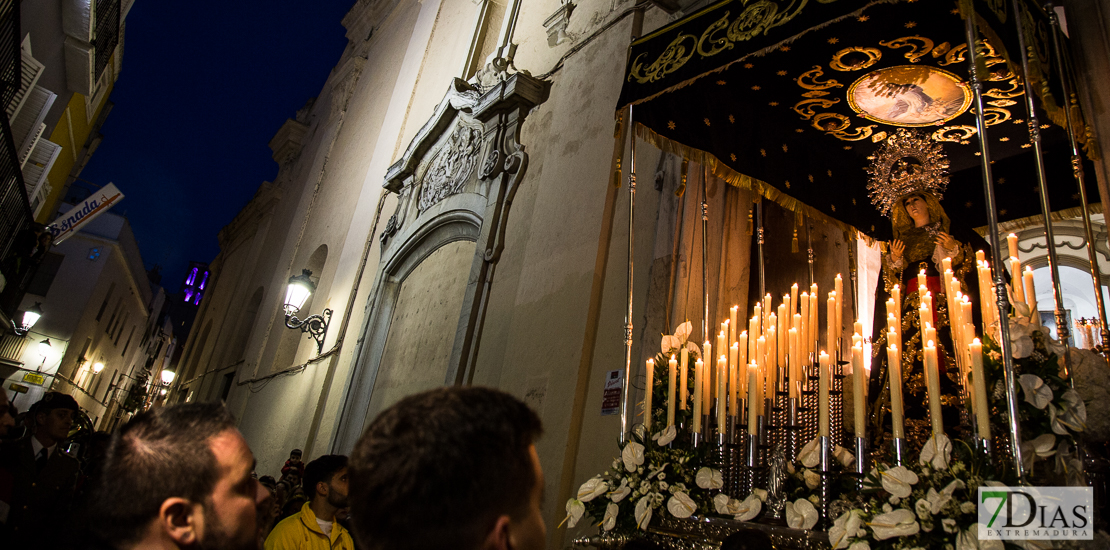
(71,222)
(611,397)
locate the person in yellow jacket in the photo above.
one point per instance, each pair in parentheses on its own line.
(314,527)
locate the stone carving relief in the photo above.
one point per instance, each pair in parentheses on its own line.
(452,166)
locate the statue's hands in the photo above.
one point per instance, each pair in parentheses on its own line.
(897,247)
(947,242)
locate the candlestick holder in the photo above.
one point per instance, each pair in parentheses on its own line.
(860,466)
(898,450)
(751,458)
(982,445)
(824,488)
(733,420)
(793,430)
(695,439)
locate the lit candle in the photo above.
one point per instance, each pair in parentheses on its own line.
(857,327)
(767,310)
(647,394)
(823,396)
(722,341)
(922,283)
(794,299)
(707,390)
(830,338)
(758,318)
(979,386)
(894,362)
(946,265)
(753,396)
(858,407)
(803,332)
(1012,241)
(795,362)
(1016,280)
(722,391)
(753,333)
(742,362)
(1031,295)
(733,368)
(683,389)
(732,320)
(932,380)
(781,320)
(838,288)
(896,294)
(772,362)
(697,394)
(672,367)
(814,332)
(761,359)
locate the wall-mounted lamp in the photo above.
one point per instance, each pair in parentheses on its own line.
(30,317)
(167,377)
(44,348)
(299,289)
(97,367)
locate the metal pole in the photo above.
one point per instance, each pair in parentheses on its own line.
(809,250)
(759,231)
(1001,300)
(705,255)
(1042,185)
(1077,170)
(628,314)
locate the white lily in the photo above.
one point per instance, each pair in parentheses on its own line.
(1037,393)
(666,436)
(810,455)
(681,505)
(898,523)
(1040,447)
(898,480)
(749,508)
(592,489)
(620,492)
(845,526)
(843,456)
(708,478)
(801,514)
(575,510)
(643,512)
(937,451)
(610,519)
(632,456)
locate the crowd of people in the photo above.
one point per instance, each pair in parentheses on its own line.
(449,468)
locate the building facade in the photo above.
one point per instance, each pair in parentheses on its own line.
(458,193)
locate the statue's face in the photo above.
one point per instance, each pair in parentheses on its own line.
(917,209)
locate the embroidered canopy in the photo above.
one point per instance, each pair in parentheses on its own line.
(791,98)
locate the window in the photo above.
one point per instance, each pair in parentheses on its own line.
(128,344)
(44,275)
(104,305)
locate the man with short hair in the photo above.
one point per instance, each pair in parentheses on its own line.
(449,468)
(315,526)
(42,475)
(7,414)
(178,477)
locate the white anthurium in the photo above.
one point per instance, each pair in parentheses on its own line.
(1021,341)
(801,514)
(845,526)
(720,504)
(810,455)
(643,512)
(861,545)
(678,339)
(610,519)
(949,525)
(812,479)
(592,489)
(1037,393)
(898,523)
(898,481)
(1051,344)
(749,508)
(938,500)
(708,478)
(937,451)
(656,472)
(1036,544)
(969,540)
(666,436)
(575,510)
(619,493)
(680,505)
(761,494)
(1072,413)
(1040,447)
(632,456)
(843,456)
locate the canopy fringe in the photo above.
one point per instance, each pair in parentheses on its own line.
(1013,226)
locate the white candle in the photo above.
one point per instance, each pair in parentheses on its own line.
(1031,295)
(894,361)
(814,307)
(932,380)
(732,326)
(753,333)
(803,332)
(650,368)
(794,299)
(859,408)
(1015,279)
(830,337)
(672,367)
(780,333)
(838,288)
(722,392)
(683,389)
(742,362)
(761,359)
(979,385)
(697,394)
(795,363)
(1012,242)
(823,396)
(733,368)
(753,396)
(772,362)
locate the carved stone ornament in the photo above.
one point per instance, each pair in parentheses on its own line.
(452,166)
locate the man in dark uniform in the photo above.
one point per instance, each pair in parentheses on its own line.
(42,475)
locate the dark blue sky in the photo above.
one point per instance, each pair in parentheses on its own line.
(204,86)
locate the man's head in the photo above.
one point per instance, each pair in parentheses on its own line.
(465,456)
(179,475)
(325,481)
(54,417)
(7,414)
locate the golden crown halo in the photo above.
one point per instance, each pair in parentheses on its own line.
(907,162)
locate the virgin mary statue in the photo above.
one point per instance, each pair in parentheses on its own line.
(908,179)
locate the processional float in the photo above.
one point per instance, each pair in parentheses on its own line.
(767,93)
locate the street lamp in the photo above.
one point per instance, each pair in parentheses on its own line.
(167,377)
(97,367)
(30,317)
(299,289)
(44,348)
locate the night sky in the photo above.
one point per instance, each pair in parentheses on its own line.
(203,88)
